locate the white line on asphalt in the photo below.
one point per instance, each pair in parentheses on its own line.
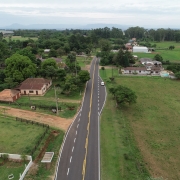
(68,172)
(98,100)
(98,108)
(77,125)
(98,96)
(98,104)
(74,140)
(80,114)
(70,159)
(76,132)
(73,149)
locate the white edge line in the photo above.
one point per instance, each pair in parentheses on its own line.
(66,134)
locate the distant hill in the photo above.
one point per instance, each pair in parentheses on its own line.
(63,26)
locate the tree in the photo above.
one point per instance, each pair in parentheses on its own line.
(171,47)
(105,45)
(158,57)
(177,75)
(49,62)
(19,67)
(123,95)
(84,76)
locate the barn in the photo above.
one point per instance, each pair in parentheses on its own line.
(140,49)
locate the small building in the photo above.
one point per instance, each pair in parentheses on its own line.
(46,50)
(34,86)
(9,95)
(140,49)
(136,70)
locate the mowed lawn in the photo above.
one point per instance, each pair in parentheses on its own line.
(18,137)
(154,124)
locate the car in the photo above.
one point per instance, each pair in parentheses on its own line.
(102,83)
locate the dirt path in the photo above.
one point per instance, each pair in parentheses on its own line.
(54,121)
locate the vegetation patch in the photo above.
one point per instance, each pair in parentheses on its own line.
(153,122)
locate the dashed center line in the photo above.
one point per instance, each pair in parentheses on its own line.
(70,159)
(73,149)
(74,140)
(79,120)
(77,125)
(76,132)
(68,171)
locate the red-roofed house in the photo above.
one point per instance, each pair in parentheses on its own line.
(9,95)
(34,86)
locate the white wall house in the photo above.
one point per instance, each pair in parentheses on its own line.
(135,70)
(140,49)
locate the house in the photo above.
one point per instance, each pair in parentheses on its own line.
(7,33)
(155,71)
(128,46)
(9,95)
(148,61)
(140,49)
(34,86)
(136,70)
(46,50)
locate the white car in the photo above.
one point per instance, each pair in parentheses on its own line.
(102,83)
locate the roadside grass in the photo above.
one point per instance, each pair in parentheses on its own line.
(53,146)
(120,157)
(12,168)
(153,123)
(18,137)
(21,38)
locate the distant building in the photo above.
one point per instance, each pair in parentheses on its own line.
(140,49)
(6,33)
(46,50)
(34,86)
(9,95)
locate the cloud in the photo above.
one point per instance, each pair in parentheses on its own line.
(129,11)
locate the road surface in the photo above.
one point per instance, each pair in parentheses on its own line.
(80,154)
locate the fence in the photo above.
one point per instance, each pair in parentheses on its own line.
(18,157)
(35,123)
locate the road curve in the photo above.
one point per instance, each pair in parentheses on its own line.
(79,157)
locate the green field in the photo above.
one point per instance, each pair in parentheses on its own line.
(12,168)
(18,137)
(150,126)
(171,55)
(20,38)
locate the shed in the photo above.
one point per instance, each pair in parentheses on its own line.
(140,49)
(9,95)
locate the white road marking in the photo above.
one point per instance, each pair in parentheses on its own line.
(98,108)
(98,96)
(80,114)
(73,149)
(68,172)
(98,100)
(77,125)
(74,140)
(76,132)
(98,104)
(70,159)
(79,120)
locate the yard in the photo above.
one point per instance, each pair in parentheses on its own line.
(148,129)
(20,38)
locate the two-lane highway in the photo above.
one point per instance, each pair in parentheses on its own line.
(80,154)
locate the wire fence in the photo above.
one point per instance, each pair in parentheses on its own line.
(38,124)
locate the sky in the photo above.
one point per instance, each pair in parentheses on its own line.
(143,13)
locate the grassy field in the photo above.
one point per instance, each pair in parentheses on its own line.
(171,55)
(20,38)
(11,168)
(18,137)
(150,126)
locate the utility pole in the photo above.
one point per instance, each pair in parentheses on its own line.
(56,100)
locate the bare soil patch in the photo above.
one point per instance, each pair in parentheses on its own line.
(51,120)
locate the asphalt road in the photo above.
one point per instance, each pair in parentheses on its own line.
(80,154)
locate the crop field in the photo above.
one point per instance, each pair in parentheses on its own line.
(20,38)
(153,124)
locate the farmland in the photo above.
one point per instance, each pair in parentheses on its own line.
(148,129)
(20,38)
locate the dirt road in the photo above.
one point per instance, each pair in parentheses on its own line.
(54,121)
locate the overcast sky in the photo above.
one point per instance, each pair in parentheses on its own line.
(144,13)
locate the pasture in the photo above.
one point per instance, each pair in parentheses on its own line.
(151,127)
(170,55)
